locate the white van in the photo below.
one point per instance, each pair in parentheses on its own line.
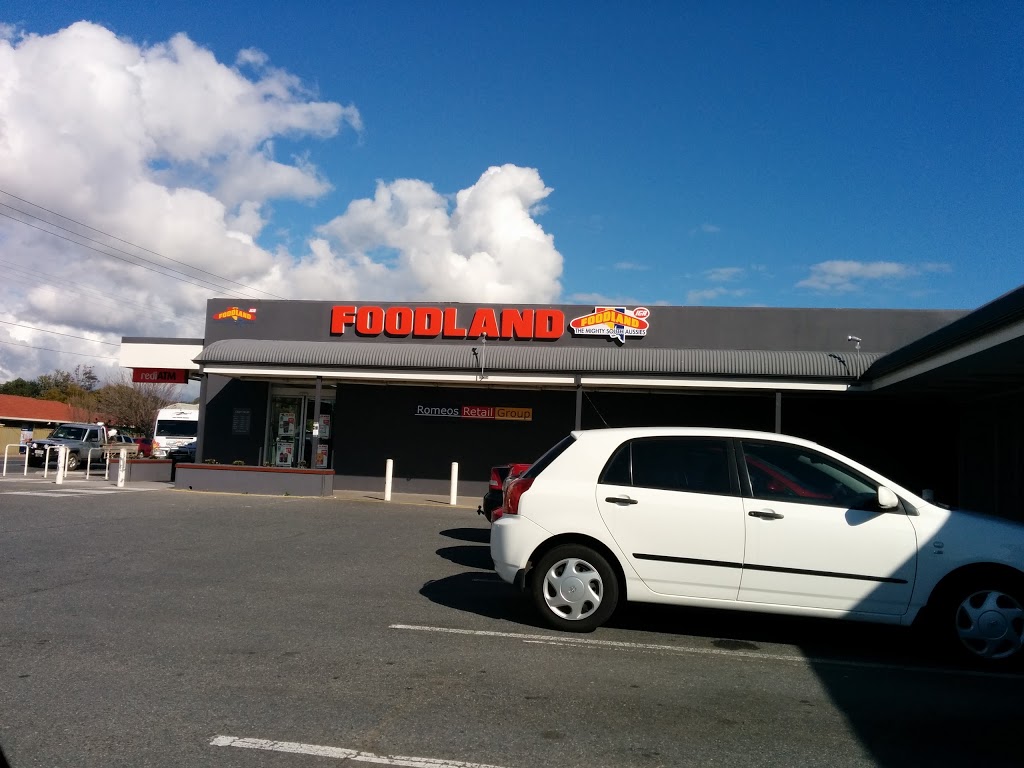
(175,426)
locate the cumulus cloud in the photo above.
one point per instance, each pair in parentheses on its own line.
(487,247)
(168,148)
(706,295)
(601,299)
(724,274)
(706,228)
(846,276)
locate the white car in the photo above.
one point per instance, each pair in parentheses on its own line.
(753,521)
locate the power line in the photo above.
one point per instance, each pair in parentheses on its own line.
(43,330)
(25,275)
(59,351)
(204,284)
(121,240)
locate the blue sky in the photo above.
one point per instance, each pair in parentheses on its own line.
(784,154)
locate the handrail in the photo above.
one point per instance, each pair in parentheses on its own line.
(5,457)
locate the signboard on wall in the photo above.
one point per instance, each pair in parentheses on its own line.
(159,376)
(495,412)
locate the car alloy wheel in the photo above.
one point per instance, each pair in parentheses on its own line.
(574,588)
(73,462)
(990,624)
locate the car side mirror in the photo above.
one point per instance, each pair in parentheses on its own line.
(887,499)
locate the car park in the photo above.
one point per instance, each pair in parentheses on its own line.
(753,521)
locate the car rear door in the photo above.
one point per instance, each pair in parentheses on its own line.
(672,504)
(815,536)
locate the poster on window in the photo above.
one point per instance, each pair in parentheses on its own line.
(321,457)
(286,424)
(325,426)
(26,436)
(285,449)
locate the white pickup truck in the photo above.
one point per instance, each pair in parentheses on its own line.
(79,439)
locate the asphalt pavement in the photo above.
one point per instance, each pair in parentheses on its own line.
(166,628)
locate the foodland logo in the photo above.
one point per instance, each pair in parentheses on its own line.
(236,314)
(498,413)
(616,322)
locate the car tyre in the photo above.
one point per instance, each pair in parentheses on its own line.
(981,620)
(574,588)
(73,462)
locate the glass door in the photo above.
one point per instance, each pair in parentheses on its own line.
(286,426)
(289,441)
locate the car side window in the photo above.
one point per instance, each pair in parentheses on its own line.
(793,473)
(691,464)
(616,471)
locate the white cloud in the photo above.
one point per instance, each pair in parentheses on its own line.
(846,276)
(630,266)
(167,147)
(724,274)
(707,228)
(601,299)
(706,295)
(487,248)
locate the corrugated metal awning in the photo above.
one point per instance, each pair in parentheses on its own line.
(533,358)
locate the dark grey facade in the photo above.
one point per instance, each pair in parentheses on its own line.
(406,397)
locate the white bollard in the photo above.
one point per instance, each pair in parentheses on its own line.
(455,482)
(389,471)
(62,458)
(122,467)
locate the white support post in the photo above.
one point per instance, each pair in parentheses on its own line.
(46,461)
(62,459)
(389,471)
(455,483)
(122,467)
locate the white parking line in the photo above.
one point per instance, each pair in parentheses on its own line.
(586,642)
(339,753)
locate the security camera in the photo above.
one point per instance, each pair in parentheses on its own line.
(854,338)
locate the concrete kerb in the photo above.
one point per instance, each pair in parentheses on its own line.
(405,499)
(397,499)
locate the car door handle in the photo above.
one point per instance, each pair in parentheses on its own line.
(766,514)
(621,500)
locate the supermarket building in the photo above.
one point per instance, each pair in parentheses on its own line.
(932,398)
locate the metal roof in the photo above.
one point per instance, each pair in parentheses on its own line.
(999,313)
(505,358)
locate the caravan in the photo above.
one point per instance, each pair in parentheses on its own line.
(175,426)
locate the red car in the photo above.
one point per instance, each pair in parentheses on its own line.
(501,478)
(145,446)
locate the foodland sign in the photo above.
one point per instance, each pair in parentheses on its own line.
(521,324)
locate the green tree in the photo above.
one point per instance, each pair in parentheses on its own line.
(21,387)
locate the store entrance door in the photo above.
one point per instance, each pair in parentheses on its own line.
(290,431)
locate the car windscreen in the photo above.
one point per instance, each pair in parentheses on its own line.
(69,433)
(174,428)
(553,453)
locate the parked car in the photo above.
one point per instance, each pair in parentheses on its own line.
(500,475)
(78,438)
(145,446)
(753,521)
(183,453)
